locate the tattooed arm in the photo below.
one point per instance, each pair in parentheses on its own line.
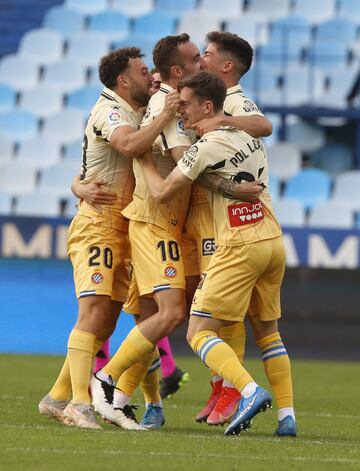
(246,191)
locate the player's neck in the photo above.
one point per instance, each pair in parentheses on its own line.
(172,82)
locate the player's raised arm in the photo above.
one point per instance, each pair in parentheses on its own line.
(162,189)
(246,191)
(133,143)
(255,125)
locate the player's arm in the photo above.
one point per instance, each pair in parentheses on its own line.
(162,189)
(245,191)
(255,125)
(92,192)
(132,143)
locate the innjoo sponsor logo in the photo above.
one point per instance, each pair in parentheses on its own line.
(245,213)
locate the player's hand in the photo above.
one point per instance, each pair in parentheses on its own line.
(94,194)
(249,191)
(172,101)
(146,159)
(208,124)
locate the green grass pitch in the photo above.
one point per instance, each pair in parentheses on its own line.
(327,398)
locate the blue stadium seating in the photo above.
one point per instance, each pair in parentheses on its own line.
(89,7)
(342,29)
(285,160)
(347,189)
(23,183)
(73,151)
(350,9)
(133,8)
(18,125)
(292,30)
(253,27)
(39,152)
(5,204)
(57,179)
(37,204)
(272,10)
(331,216)
(290,212)
(42,100)
(84,98)
(316,11)
(156,24)
(7,148)
(64,21)
(7,97)
(114,24)
(274,186)
(65,126)
(328,54)
(233,8)
(18,72)
(197,24)
(145,43)
(87,47)
(310,187)
(41,46)
(65,76)
(333,158)
(176,8)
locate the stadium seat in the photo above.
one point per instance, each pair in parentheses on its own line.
(71,206)
(197,25)
(309,186)
(41,100)
(18,72)
(17,178)
(87,48)
(133,9)
(73,151)
(5,204)
(176,8)
(295,30)
(57,179)
(285,160)
(316,11)
(156,24)
(65,126)
(233,8)
(279,52)
(251,26)
(84,98)
(350,9)
(274,186)
(306,82)
(6,149)
(18,125)
(88,7)
(7,97)
(64,76)
(333,158)
(145,43)
(261,77)
(41,46)
(343,29)
(289,212)
(305,136)
(327,54)
(37,204)
(39,152)
(271,10)
(114,24)
(347,189)
(64,21)
(330,215)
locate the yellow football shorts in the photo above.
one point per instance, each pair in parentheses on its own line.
(242,279)
(198,243)
(156,258)
(100,256)
(132,305)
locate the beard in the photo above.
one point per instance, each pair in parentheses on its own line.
(140,96)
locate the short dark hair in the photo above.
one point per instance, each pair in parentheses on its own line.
(166,53)
(237,46)
(206,86)
(116,63)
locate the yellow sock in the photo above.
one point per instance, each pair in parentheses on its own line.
(235,336)
(150,382)
(221,358)
(61,391)
(133,376)
(132,350)
(80,354)
(277,368)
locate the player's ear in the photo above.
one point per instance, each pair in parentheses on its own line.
(228,66)
(176,71)
(122,81)
(208,107)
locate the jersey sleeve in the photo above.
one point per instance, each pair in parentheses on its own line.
(174,135)
(200,158)
(109,120)
(240,105)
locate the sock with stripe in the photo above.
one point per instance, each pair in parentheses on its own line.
(168,364)
(221,358)
(150,382)
(235,336)
(132,377)
(135,347)
(102,356)
(278,371)
(81,347)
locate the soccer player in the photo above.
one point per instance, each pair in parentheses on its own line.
(230,57)
(98,243)
(246,270)
(155,233)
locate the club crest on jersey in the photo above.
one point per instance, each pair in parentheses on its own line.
(245,213)
(97,278)
(170,271)
(114,117)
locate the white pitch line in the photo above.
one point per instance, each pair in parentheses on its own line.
(6,397)
(174,454)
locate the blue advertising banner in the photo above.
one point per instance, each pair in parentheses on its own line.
(45,238)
